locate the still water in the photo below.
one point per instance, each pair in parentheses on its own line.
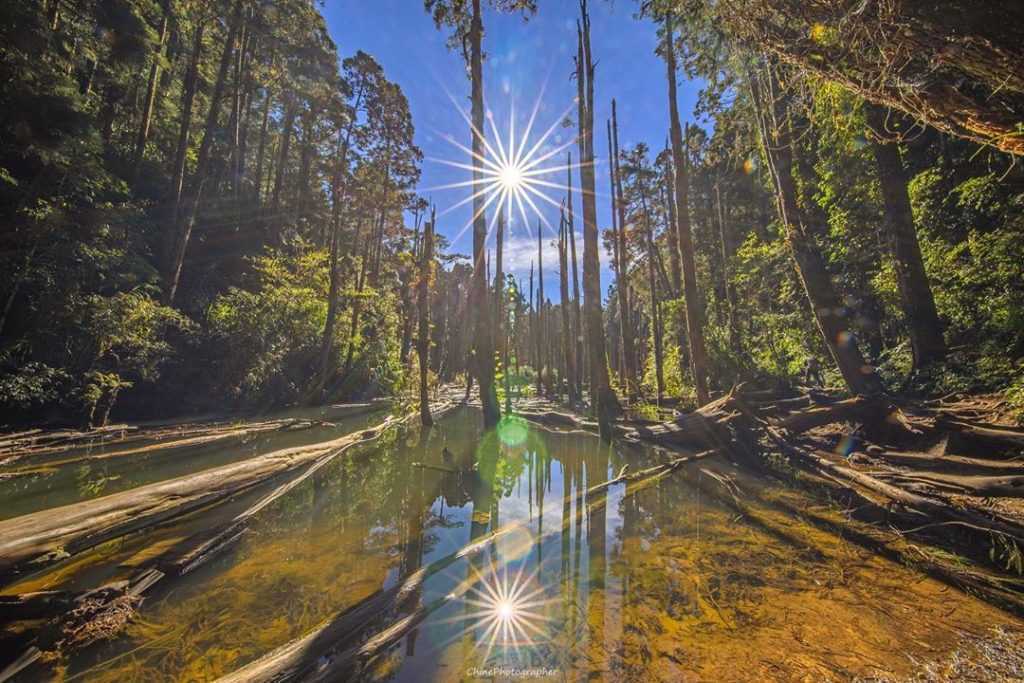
(67,476)
(638,582)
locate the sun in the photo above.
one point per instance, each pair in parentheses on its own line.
(505,610)
(511,177)
(513,169)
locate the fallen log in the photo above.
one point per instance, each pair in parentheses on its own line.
(967,485)
(103,612)
(36,540)
(987,436)
(702,428)
(852,409)
(326,654)
(920,506)
(949,463)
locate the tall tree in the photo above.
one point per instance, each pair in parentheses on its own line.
(423,303)
(568,344)
(775,126)
(629,369)
(602,397)
(577,333)
(465,16)
(915,293)
(691,295)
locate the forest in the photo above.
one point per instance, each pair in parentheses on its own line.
(215,235)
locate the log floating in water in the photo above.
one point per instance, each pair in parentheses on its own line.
(41,538)
(104,611)
(319,655)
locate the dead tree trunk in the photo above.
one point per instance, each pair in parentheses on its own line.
(625,317)
(577,333)
(483,337)
(568,345)
(423,336)
(603,398)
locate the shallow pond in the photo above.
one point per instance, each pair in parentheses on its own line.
(70,475)
(654,581)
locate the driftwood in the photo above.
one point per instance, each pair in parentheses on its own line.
(968,485)
(19,446)
(102,612)
(921,507)
(949,463)
(36,540)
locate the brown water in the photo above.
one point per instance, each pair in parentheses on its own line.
(92,470)
(653,582)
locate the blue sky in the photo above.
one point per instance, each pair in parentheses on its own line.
(521,57)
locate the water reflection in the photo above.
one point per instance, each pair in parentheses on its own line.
(627,582)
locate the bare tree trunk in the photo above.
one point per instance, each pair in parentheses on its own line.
(483,337)
(652,283)
(568,345)
(577,317)
(262,146)
(730,291)
(625,315)
(500,314)
(618,358)
(603,398)
(534,332)
(184,128)
(275,235)
(922,318)
(542,367)
(423,336)
(691,295)
(184,224)
(154,78)
(826,306)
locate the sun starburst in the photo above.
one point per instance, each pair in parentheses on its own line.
(515,169)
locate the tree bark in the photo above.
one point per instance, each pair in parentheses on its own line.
(625,314)
(568,345)
(602,397)
(826,306)
(691,295)
(423,336)
(540,336)
(483,337)
(577,333)
(916,298)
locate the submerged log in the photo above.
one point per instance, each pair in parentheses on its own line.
(101,613)
(33,541)
(328,652)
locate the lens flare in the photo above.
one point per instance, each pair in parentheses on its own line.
(511,169)
(506,613)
